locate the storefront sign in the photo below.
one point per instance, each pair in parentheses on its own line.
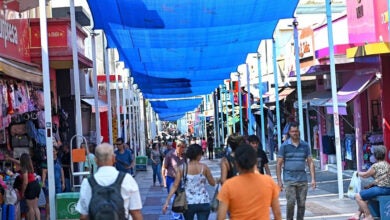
(14,39)
(8,32)
(367,21)
(58,34)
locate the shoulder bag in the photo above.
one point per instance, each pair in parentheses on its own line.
(180,201)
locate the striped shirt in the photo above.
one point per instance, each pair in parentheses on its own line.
(294,160)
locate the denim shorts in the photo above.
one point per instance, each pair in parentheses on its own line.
(374,191)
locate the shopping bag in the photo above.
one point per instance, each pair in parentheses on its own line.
(214,201)
(354,186)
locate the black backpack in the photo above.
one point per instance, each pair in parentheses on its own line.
(106,201)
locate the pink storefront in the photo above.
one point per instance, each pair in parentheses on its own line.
(368,31)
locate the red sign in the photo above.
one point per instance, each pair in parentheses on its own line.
(14,39)
(56,36)
(102,78)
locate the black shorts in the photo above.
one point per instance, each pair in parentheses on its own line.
(32,190)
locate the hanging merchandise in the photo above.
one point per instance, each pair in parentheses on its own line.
(349,143)
(4,92)
(39,99)
(41,119)
(10,99)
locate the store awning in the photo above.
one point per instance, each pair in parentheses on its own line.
(103,106)
(282,95)
(316,98)
(19,70)
(356,85)
(341,68)
(368,49)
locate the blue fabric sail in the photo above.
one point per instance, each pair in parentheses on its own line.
(177,49)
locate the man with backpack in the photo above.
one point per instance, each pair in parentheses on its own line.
(109,193)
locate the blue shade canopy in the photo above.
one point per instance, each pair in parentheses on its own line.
(177,49)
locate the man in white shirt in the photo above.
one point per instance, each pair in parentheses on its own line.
(106,175)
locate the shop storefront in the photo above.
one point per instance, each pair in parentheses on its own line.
(369,33)
(21,95)
(61,65)
(357,85)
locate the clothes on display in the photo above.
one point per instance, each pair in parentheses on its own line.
(349,147)
(328,144)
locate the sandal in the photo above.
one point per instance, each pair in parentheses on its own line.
(356,216)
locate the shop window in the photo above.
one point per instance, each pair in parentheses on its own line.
(376,116)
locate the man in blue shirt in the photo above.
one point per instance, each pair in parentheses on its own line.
(123,157)
(293,156)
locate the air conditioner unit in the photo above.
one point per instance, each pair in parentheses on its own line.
(86,89)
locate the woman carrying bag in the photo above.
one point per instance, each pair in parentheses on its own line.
(198,199)
(380,171)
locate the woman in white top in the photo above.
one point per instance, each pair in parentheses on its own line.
(197,175)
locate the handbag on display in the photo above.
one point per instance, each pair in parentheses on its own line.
(179,204)
(214,201)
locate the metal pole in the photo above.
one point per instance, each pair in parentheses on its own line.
(129,113)
(135,118)
(76,77)
(276,93)
(95,88)
(248,101)
(138,120)
(240,104)
(206,135)
(108,89)
(221,110)
(142,126)
(334,98)
(299,85)
(216,118)
(308,126)
(225,92)
(262,121)
(132,118)
(118,105)
(124,107)
(232,101)
(47,98)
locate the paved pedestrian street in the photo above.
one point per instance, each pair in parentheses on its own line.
(322,203)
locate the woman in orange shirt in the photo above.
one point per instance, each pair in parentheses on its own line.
(250,194)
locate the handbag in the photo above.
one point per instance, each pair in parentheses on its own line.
(179,204)
(354,186)
(214,201)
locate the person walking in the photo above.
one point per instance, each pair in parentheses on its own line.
(249,195)
(292,157)
(155,156)
(262,159)
(105,176)
(228,166)
(380,171)
(197,196)
(204,146)
(175,158)
(30,187)
(123,157)
(210,146)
